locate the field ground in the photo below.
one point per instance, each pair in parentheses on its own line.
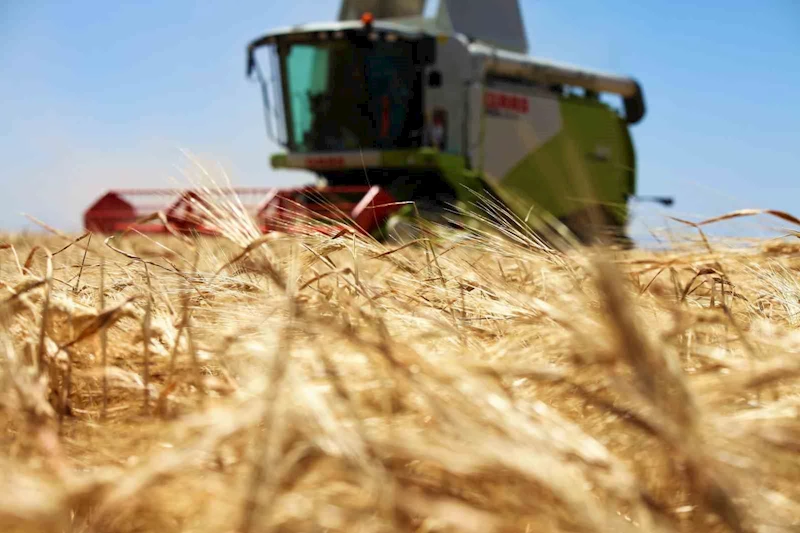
(456,384)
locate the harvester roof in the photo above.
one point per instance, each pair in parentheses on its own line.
(324,29)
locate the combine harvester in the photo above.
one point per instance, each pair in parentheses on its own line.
(387,107)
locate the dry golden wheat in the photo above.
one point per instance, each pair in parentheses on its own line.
(458,383)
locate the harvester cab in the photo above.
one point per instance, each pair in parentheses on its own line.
(440,109)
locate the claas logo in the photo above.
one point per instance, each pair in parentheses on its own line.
(505,102)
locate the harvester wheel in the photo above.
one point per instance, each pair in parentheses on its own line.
(400,230)
(598,227)
(405,226)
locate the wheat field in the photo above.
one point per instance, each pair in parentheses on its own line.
(461,382)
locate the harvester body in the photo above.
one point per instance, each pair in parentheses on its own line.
(442,111)
(439,112)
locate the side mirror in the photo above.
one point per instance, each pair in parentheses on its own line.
(435,79)
(251,63)
(666,201)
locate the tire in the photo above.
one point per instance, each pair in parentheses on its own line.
(597,227)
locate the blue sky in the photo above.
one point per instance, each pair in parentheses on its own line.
(99,95)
